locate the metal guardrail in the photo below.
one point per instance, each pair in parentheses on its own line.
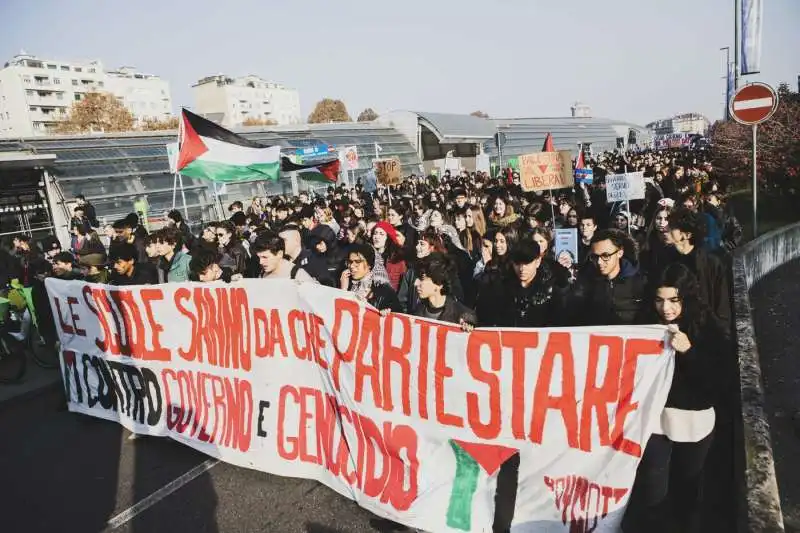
(751,263)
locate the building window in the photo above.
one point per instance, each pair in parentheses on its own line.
(92,70)
(59,96)
(32,108)
(57,81)
(75,82)
(99,83)
(26,79)
(78,69)
(35,64)
(65,67)
(77,97)
(52,67)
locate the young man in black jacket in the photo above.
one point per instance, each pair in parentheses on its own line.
(536,295)
(205,267)
(687,232)
(433,285)
(611,289)
(126,269)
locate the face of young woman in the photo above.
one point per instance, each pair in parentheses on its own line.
(436,219)
(500,244)
(542,242)
(394,217)
(461,223)
(469,218)
(379,238)
(621,223)
(499,207)
(423,248)
(662,221)
(669,305)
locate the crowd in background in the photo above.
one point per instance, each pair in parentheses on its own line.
(477,251)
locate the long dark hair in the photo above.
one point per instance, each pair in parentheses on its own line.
(694,310)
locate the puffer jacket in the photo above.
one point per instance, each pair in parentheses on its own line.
(598,301)
(543,303)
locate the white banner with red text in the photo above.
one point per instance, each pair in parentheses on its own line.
(415,420)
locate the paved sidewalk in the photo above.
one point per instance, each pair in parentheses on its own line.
(35,380)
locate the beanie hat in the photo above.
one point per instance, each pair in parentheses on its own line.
(389,229)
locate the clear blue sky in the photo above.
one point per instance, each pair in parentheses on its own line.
(636,60)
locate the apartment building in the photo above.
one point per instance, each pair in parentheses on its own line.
(35,94)
(231,101)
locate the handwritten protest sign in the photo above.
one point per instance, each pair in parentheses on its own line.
(545,170)
(416,420)
(624,187)
(389,171)
(566,246)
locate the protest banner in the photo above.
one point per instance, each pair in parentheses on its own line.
(545,170)
(566,246)
(415,420)
(625,187)
(389,171)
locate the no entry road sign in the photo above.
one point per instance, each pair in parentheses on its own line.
(753,103)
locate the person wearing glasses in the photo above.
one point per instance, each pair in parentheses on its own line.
(358,278)
(611,290)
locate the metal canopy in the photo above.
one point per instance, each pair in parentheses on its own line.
(457,129)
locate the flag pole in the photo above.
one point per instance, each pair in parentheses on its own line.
(176,174)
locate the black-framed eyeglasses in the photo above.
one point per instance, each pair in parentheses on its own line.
(605,258)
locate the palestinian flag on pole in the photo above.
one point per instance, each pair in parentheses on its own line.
(209,151)
(321,172)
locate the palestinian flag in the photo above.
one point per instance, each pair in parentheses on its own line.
(322,172)
(209,151)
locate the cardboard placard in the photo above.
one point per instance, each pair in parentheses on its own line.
(541,171)
(389,171)
(624,187)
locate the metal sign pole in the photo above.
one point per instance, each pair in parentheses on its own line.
(755,181)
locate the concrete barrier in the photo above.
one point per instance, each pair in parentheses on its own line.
(751,263)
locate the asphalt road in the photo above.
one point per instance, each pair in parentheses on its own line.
(777,324)
(71,473)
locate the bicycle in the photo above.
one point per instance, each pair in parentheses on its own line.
(13,360)
(43,353)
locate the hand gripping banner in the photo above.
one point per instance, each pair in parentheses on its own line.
(415,420)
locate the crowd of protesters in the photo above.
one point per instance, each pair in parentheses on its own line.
(477,251)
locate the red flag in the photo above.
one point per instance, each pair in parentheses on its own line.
(580,162)
(548,144)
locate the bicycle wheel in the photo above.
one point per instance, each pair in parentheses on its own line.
(12,360)
(43,354)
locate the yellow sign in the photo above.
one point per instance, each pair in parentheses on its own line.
(546,170)
(388,171)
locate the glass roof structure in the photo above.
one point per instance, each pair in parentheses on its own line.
(114,171)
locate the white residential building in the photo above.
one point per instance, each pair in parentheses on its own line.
(230,101)
(691,123)
(37,93)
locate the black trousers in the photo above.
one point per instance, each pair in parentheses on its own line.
(667,495)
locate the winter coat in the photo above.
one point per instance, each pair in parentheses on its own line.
(713,278)
(383,297)
(409,297)
(599,301)
(454,312)
(235,256)
(541,304)
(143,274)
(178,269)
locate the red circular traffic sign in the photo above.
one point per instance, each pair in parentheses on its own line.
(753,103)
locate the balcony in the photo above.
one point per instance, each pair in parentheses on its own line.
(51,116)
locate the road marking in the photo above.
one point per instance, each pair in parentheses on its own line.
(752,104)
(160,494)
